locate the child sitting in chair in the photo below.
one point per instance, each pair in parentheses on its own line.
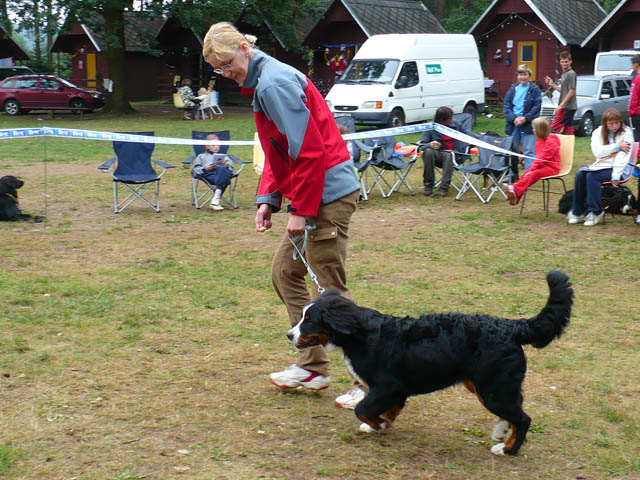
(546,164)
(216,168)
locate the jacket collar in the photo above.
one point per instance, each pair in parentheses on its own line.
(257,62)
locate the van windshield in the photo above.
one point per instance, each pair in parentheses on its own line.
(369,71)
(614,62)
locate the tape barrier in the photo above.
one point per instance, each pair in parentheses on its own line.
(130,137)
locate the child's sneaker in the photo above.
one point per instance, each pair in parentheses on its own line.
(215,204)
(294,376)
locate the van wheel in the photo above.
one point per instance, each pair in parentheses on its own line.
(396,119)
(471,110)
(586,125)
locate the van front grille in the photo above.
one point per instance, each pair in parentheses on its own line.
(346,108)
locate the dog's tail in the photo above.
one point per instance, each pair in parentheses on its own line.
(550,323)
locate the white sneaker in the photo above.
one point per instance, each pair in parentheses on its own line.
(573,219)
(215,204)
(350,399)
(637,220)
(294,376)
(593,219)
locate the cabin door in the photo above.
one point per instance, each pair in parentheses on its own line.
(528,55)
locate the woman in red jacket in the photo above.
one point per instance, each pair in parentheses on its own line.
(547,161)
(307,162)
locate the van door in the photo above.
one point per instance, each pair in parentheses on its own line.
(408,91)
(527,55)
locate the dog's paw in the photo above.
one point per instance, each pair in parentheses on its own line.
(366,428)
(498,449)
(500,431)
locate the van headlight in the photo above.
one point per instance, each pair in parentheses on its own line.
(375,105)
(329,104)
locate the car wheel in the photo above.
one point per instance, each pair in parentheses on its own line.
(77,106)
(471,110)
(12,107)
(396,119)
(586,125)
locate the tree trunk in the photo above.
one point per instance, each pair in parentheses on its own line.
(4,15)
(118,100)
(37,50)
(51,29)
(439,9)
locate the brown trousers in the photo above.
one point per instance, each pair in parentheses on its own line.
(326,253)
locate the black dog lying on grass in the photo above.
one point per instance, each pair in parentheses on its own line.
(9,206)
(615,200)
(400,357)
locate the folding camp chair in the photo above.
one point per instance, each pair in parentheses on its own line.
(134,172)
(209,107)
(461,153)
(202,197)
(567,143)
(382,158)
(491,165)
(361,166)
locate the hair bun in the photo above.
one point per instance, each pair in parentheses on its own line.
(251,39)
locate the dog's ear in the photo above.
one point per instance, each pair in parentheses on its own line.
(340,313)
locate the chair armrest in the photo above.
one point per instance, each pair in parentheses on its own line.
(189,160)
(364,147)
(163,165)
(236,161)
(104,167)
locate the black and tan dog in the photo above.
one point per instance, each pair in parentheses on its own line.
(9,206)
(400,357)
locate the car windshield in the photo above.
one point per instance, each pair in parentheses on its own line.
(369,71)
(66,82)
(587,88)
(617,63)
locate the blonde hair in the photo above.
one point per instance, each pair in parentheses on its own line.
(524,69)
(541,127)
(223,40)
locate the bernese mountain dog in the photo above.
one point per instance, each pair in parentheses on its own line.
(397,357)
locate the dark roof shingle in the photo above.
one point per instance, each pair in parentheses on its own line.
(393,16)
(573,19)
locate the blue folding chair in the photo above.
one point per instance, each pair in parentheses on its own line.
(133,171)
(200,197)
(491,165)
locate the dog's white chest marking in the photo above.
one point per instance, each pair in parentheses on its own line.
(353,373)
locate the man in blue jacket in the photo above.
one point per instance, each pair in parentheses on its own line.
(521,105)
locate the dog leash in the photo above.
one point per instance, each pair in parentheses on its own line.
(299,243)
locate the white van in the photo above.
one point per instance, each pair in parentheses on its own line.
(614,62)
(403,78)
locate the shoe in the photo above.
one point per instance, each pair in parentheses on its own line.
(427,191)
(350,399)
(294,376)
(593,219)
(637,220)
(215,204)
(187,117)
(511,194)
(441,193)
(573,219)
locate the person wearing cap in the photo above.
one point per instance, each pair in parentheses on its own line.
(521,105)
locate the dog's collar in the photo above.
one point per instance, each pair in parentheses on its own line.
(11,196)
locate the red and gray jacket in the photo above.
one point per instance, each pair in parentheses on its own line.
(306,159)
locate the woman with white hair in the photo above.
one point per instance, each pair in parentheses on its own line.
(307,162)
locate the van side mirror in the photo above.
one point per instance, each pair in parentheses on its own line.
(402,82)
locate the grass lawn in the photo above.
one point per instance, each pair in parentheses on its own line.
(137,345)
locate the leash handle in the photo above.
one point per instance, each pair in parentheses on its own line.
(299,243)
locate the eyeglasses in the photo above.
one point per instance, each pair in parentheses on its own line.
(225,68)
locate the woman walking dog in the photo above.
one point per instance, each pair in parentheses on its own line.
(307,162)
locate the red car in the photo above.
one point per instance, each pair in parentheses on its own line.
(22,93)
